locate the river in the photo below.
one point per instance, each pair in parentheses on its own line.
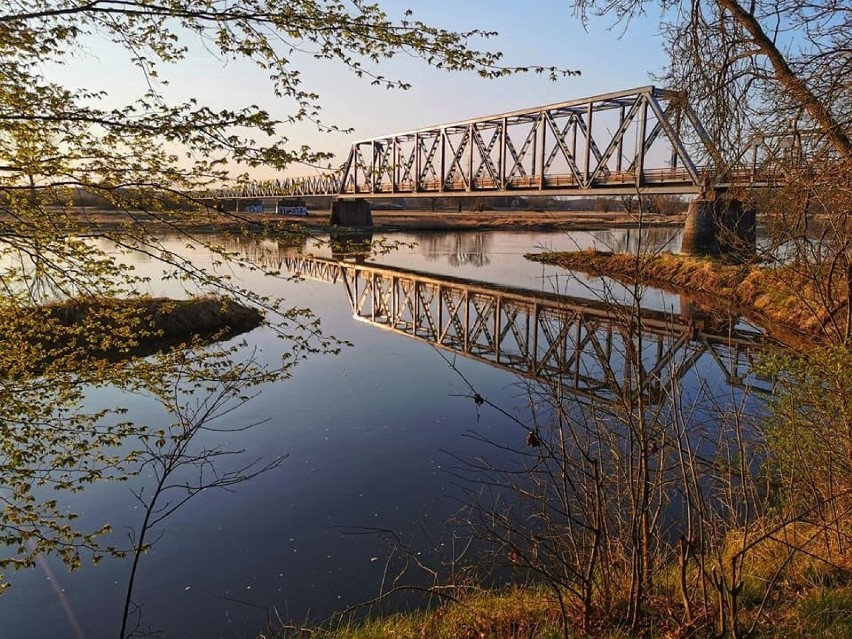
(371,436)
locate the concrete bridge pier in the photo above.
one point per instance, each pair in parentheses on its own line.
(354,213)
(719,224)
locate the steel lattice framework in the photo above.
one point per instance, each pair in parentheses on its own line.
(582,344)
(647,139)
(555,148)
(317,185)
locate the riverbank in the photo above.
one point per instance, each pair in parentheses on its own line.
(781,298)
(513,220)
(95,221)
(798,609)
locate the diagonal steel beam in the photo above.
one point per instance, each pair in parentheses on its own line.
(618,138)
(428,163)
(562,146)
(485,161)
(674,139)
(518,157)
(407,166)
(455,162)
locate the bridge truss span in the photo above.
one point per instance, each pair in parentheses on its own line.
(647,138)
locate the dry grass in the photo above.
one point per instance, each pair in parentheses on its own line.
(166,317)
(802,605)
(800,555)
(515,613)
(799,578)
(781,296)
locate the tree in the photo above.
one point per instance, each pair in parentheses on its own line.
(150,156)
(756,67)
(769,80)
(181,463)
(774,77)
(144,160)
(106,149)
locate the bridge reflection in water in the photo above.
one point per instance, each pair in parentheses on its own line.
(590,346)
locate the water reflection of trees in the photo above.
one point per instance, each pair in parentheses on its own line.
(631,240)
(461,249)
(268,253)
(603,502)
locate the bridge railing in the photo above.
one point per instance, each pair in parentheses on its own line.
(654,180)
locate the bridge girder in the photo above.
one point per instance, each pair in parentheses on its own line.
(646,140)
(555,149)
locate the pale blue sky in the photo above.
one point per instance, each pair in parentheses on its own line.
(542,32)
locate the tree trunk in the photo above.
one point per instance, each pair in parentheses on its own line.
(794,85)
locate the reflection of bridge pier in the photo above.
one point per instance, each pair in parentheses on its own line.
(351,244)
(597,349)
(267,252)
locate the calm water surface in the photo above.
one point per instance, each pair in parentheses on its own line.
(369,435)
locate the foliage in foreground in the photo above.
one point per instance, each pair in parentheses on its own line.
(81,334)
(150,156)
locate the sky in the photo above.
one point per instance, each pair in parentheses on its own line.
(545,32)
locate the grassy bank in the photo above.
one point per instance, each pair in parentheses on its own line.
(486,615)
(803,608)
(785,296)
(516,613)
(62,336)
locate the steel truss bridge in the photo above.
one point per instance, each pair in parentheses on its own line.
(647,138)
(584,345)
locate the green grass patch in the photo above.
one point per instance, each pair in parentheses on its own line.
(514,613)
(826,612)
